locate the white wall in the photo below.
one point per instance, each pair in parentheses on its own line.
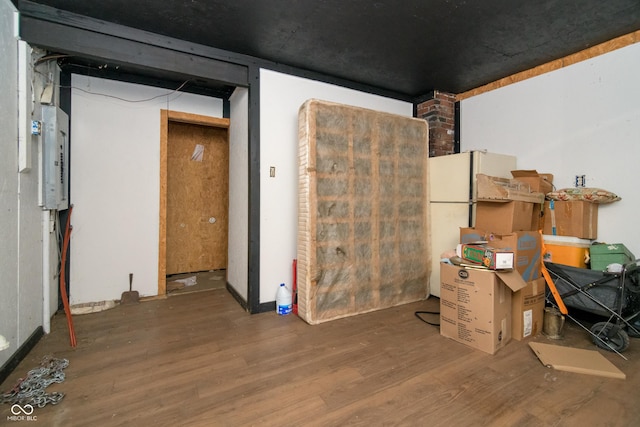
(281,96)
(21,253)
(238,264)
(115,173)
(580,120)
(9,178)
(115,176)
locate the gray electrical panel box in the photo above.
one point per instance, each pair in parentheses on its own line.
(55,158)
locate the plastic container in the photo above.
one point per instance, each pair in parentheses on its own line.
(567,250)
(283,300)
(603,254)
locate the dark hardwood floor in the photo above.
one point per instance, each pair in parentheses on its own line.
(200,360)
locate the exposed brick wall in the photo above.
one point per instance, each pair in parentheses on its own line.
(439,112)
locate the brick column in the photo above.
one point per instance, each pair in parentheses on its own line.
(439,112)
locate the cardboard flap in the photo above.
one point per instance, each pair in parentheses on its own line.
(532,173)
(575,360)
(540,182)
(525,173)
(496,189)
(512,279)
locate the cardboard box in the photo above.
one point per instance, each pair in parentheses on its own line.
(492,258)
(537,217)
(525,245)
(527,310)
(571,218)
(504,217)
(538,182)
(475,306)
(603,254)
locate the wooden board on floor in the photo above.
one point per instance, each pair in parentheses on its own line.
(576,360)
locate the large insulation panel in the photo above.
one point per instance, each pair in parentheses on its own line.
(363,217)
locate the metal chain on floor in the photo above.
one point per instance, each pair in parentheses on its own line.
(31,390)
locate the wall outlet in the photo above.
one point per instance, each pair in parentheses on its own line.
(580,180)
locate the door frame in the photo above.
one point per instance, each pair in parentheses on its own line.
(165,117)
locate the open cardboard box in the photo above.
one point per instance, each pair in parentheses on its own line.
(527,303)
(526,246)
(505,216)
(505,205)
(475,305)
(482,254)
(538,182)
(496,189)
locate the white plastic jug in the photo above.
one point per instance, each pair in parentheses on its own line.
(283,300)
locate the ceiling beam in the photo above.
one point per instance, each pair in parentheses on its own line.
(165,81)
(99,46)
(583,55)
(70,19)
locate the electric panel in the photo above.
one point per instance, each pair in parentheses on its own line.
(55,158)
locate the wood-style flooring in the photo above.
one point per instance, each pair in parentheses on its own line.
(200,360)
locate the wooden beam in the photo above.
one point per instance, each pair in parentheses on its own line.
(197,119)
(51,14)
(592,52)
(100,46)
(162,237)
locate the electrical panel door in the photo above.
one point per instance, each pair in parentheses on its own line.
(55,158)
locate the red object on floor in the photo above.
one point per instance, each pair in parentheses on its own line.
(63,286)
(294,308)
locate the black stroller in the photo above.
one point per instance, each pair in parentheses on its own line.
(614,296)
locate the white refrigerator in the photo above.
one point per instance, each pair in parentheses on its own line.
(452,198)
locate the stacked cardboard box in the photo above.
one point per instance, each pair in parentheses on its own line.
(528,303)
(487,256)
(476,306)
(510,303)
(525,245)
(506,205)
(571,218)
(539,183)
(561,218)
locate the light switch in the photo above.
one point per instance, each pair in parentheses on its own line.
(272,171)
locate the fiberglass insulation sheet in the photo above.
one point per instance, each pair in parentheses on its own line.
(362,228)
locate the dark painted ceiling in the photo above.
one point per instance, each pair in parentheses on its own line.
(410,47)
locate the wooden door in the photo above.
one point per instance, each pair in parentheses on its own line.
(197,197)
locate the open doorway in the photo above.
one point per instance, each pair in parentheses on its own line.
(194,201)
